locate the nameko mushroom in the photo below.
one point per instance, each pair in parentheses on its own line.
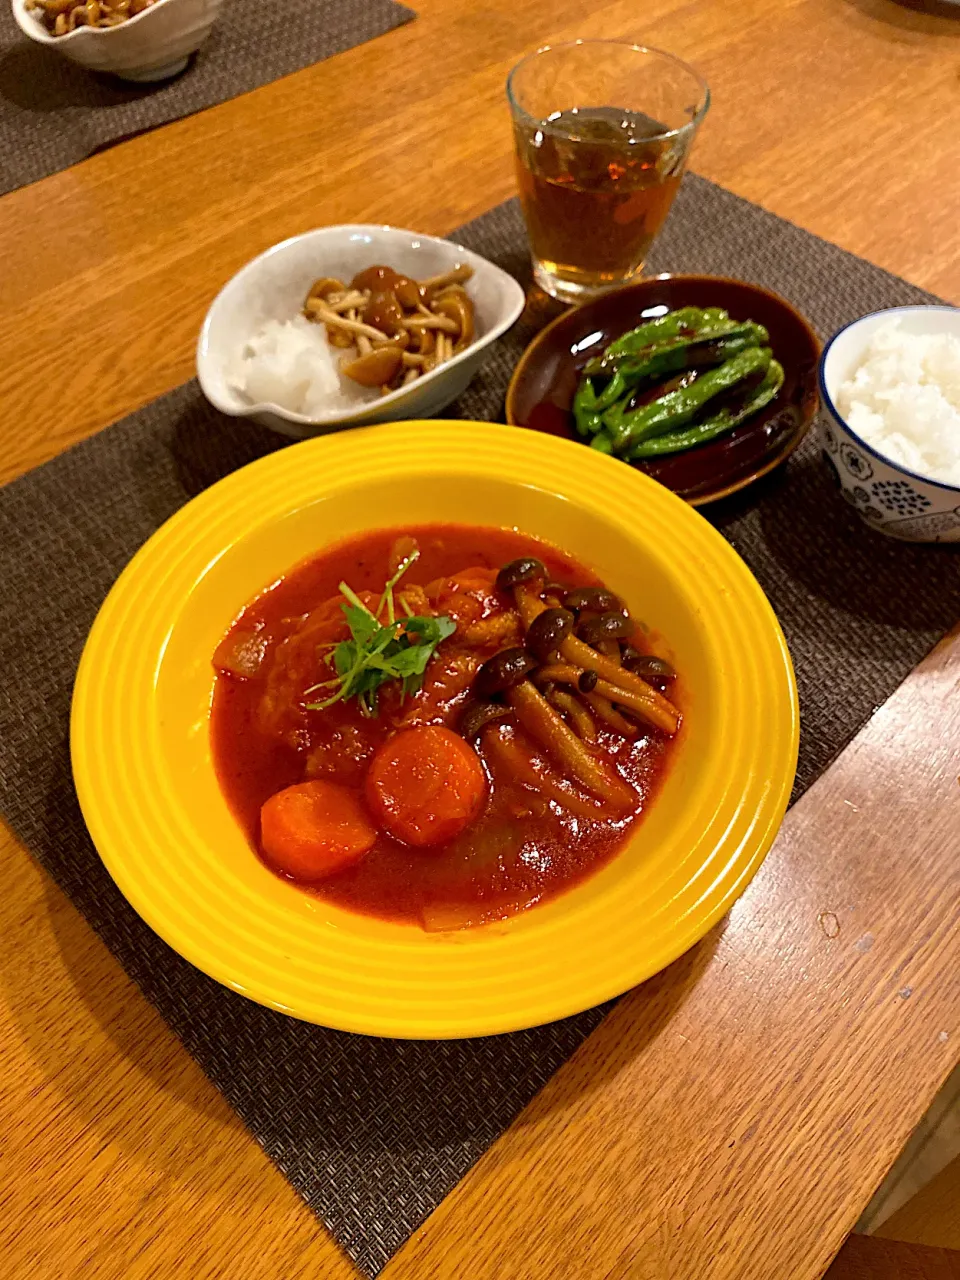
(401,328)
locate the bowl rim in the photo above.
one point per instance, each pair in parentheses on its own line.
(751,850)
(24,16)
(841,420)
(715,495)
(514,302)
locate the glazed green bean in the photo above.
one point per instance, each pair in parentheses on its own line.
(671,325)
(691,353)
(615,390)
(602,443)
(716,424)
(670,358)
(677,408)
(659,333)
(586,415)
(674,381)
(632,362)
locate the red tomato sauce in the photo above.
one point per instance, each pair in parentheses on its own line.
(523,848)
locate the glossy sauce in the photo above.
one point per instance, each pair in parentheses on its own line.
(522,849)
(548,376)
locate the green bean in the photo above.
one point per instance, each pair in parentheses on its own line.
(586,415)
(723,420)
(686,323)
(632,362)
(669,326)
(617,387)
(659,363)
(602,443)
(688,353)
(677,408)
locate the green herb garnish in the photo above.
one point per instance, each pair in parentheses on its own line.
(376,653)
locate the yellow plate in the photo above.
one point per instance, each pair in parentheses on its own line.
(141,745)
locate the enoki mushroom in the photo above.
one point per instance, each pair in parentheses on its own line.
(60,17)
(397,329)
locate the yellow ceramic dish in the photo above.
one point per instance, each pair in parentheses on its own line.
(141,744)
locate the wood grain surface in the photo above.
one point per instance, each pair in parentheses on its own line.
(843,115)
(118,1158)
(728,1116)
(731,1118)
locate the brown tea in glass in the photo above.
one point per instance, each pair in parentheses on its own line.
(597,182)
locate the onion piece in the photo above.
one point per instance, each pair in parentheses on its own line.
(241,653)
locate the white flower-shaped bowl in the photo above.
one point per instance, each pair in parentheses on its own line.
(153,45)
(273,286)
(890,498)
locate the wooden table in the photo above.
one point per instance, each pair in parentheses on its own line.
(729,1119)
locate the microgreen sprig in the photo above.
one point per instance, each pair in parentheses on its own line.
(380,652)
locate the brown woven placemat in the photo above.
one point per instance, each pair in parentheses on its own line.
(374,1133)
(54,113)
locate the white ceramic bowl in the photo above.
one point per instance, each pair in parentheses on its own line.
(888,497)
(274,285)
(154,45)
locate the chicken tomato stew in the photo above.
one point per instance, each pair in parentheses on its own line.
(441,725)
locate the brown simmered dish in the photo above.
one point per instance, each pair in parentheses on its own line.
(402,328)
(440,725)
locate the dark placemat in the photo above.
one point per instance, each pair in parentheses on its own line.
(374,1133)
(54,113)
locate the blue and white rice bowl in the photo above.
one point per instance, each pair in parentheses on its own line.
(889,496)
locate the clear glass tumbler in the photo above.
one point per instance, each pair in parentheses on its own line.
(603,130)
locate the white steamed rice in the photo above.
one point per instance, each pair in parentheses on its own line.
(290,363)
(904,400)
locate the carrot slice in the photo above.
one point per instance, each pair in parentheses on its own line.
(426,785)
(315,828)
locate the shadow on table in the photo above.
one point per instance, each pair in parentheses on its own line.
(834,556)
(634,1023)
(919,17)
(36,78)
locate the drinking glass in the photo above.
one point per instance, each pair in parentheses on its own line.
(603,130)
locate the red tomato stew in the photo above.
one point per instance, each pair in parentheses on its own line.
(440,725)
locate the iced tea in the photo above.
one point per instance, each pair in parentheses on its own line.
(597,182)
(594,201)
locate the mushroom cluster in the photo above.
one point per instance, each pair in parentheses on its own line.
(398,328)
(60,17)
(575,673)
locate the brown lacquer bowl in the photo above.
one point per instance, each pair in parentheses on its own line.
(543,384)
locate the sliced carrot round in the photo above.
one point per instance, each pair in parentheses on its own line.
(315,828)
(426,785)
